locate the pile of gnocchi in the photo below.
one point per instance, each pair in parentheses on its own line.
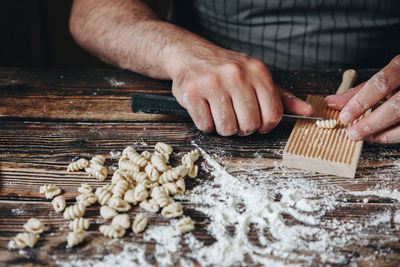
(144,179)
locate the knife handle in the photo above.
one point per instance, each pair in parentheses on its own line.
(156,104)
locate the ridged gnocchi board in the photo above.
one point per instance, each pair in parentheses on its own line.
(327,151)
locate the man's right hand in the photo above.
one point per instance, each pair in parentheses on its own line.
(232,93)
(221,89)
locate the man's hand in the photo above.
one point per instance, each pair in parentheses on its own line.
(232,93)
(381,126)
(221,89)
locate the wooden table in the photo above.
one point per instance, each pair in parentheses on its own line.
(50,117)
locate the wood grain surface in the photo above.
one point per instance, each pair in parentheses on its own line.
(51,117)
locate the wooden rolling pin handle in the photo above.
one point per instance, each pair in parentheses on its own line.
(349,77)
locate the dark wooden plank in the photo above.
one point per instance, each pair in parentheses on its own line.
(52,242)
(105,94)
(75,94)
(33,153)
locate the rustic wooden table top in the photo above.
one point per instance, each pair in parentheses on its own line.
(50,117)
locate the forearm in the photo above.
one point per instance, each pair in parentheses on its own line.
(128,34)
(221,89)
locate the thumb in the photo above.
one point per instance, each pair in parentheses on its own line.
(340,100)
(294,105)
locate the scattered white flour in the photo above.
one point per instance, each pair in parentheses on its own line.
(257,219)
(167,243)
(380,218)
(396,217)
(11,244)
(114,82)
(115,153)
(17,211)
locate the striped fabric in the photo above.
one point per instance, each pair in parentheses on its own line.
(299,34)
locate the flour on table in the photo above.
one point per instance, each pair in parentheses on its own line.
(114,82)
(17,211)
(396,217)
(287,215)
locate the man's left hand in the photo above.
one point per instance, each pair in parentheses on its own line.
(381,125)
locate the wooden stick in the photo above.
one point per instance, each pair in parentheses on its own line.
(348,79)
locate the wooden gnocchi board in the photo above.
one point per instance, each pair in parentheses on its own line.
(327,151)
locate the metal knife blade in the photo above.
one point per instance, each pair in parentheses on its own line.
(162,104)
(302,117)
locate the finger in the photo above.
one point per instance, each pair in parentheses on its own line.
(383,117)
(376,88)
(247,112)
(294,105)
(200,113)
(223,114)
(388,136)
(245,104)
(197,107)
(270,104)
(340,100)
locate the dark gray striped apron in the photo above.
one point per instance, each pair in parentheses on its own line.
(295,34)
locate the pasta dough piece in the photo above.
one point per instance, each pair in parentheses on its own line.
(110,231)
(152,172)
(98,171)
(103,195)
(149,185)
(138,160)
(170,188)
(140,223)
(188,160)
(107,213)
(87,199)
(78,165)
(173,174)
(185,224)
(23,240)
(108,187)
(140,193)
(160,197)
(128,166)
(34,226)
(74,211)
(149,205)
(134,157)
(120,188)
(50,190)
(85,189)
(158,162)
(180,186)
(146,155)
(163,148)
(98,160)
(59,203)
(173,210)
(141,178)
(192,156)
(128,151)
(130,196)
(192,170)
(96,167)
(75,238)
(119,204)
(119,175)
(164,156)
(327,124)
(121,220)
(79,224)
